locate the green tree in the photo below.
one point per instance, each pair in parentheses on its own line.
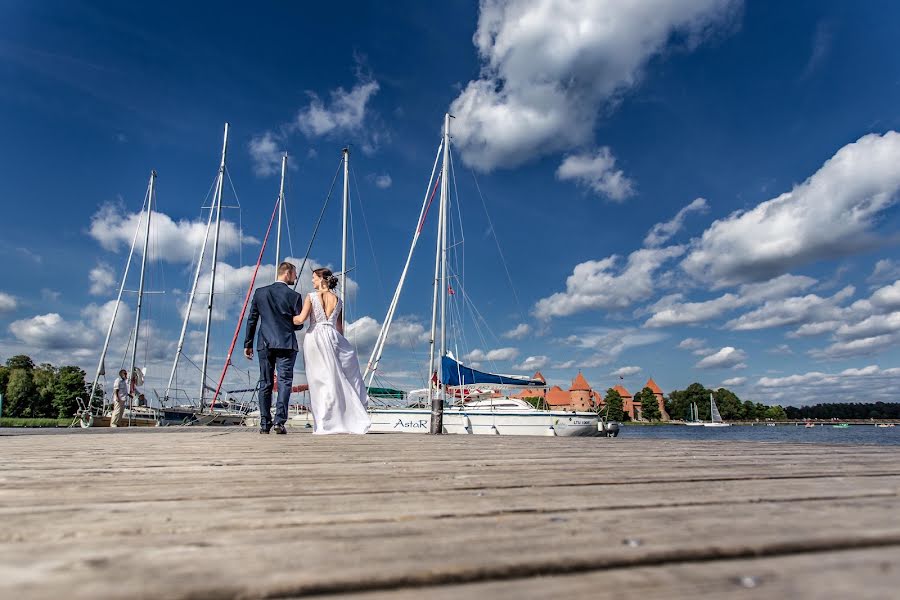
(44,378)
(613,400)
(20,361)
(776,413)
(749,410)
(4,381)
(649,405)
(70,384)
(19,393)
(729,404)
(681,400)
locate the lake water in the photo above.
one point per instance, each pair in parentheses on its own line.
(855,434)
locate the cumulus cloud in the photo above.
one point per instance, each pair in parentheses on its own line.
(344,113)
(626,371)
(266,152)
(597,171)
(7,302)
(52,332)
(518,332)
(865,384)
(831,214)
(660,233)
(102,279)
(791,311)
(383,182)
(532,363)
(171,241)
(598,284)
(735,381)
(549,68)
(496,354)
(885,270)
(607,343)
(726,358)
(670,310)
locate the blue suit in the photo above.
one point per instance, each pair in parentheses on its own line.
(272,311)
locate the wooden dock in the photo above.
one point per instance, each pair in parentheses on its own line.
(227,513)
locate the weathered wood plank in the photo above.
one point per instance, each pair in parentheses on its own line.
(204,513)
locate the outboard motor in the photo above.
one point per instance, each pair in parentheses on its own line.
(608,429)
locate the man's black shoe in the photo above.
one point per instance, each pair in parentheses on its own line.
(264,431)
(280,429)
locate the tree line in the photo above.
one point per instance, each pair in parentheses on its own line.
(678,404)
(846,410)
(40,391)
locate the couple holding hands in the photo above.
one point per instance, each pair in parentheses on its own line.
(337,393)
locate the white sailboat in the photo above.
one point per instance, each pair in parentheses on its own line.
(715,417)
(453,409)
(97,411)
(694,420)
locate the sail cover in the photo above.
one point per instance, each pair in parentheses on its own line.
(454,373)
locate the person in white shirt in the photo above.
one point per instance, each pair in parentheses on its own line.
(120,397)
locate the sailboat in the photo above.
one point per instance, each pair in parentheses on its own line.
(100,414)
(216,412)
(462,400)
(715,417)
(694,420)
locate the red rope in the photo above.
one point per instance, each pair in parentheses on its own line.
(425,214)
(237,330)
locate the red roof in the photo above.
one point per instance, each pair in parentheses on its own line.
(622,391)
(539,376)
(653,387)
(580,384)
(556,396)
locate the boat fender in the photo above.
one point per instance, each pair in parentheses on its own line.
(467,423)
(550,431)
(86,419)
(494,430)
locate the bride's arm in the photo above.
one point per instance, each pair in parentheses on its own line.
(304,312)
(340,322)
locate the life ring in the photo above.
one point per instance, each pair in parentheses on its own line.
(86,418)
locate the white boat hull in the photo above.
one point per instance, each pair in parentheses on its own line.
(717,424)
(455,421)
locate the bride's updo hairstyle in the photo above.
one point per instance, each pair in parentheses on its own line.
(328,277)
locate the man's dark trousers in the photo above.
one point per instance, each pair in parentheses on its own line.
(270,361)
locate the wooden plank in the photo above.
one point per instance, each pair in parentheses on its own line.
(204,513)
(872,574)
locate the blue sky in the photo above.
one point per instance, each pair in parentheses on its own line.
(695,191)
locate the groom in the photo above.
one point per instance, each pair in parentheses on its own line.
(273,309)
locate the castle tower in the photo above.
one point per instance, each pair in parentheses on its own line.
(664,416)
(580,393)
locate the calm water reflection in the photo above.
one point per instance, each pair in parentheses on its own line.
(855,434)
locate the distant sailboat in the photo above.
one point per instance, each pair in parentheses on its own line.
(715,417)
(694,420)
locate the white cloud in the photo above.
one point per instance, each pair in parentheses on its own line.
(383,181)
(887,297)
(670,311)
(626,371)
(781,349)
(518,332)
(496,354)
(660,233)
(532,363)
(885,270)
(7,302)
(735,381)
(345,113)
(596,284)
(51,331)
(607,344)
(102,279)
(171,241)
(726,358)
(549,68)
(266,152)
(694,345)
(831,214)
(791,311)
(597,171)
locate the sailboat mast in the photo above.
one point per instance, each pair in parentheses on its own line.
(140,295)
(432,368)
(217,206)
(344,234)
(101,369)
(280,210)
(437,402)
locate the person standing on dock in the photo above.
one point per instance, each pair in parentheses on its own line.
(273,309)
(120,397)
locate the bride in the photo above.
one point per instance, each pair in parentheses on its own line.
(336,390)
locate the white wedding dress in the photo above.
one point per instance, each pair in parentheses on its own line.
(337,393)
